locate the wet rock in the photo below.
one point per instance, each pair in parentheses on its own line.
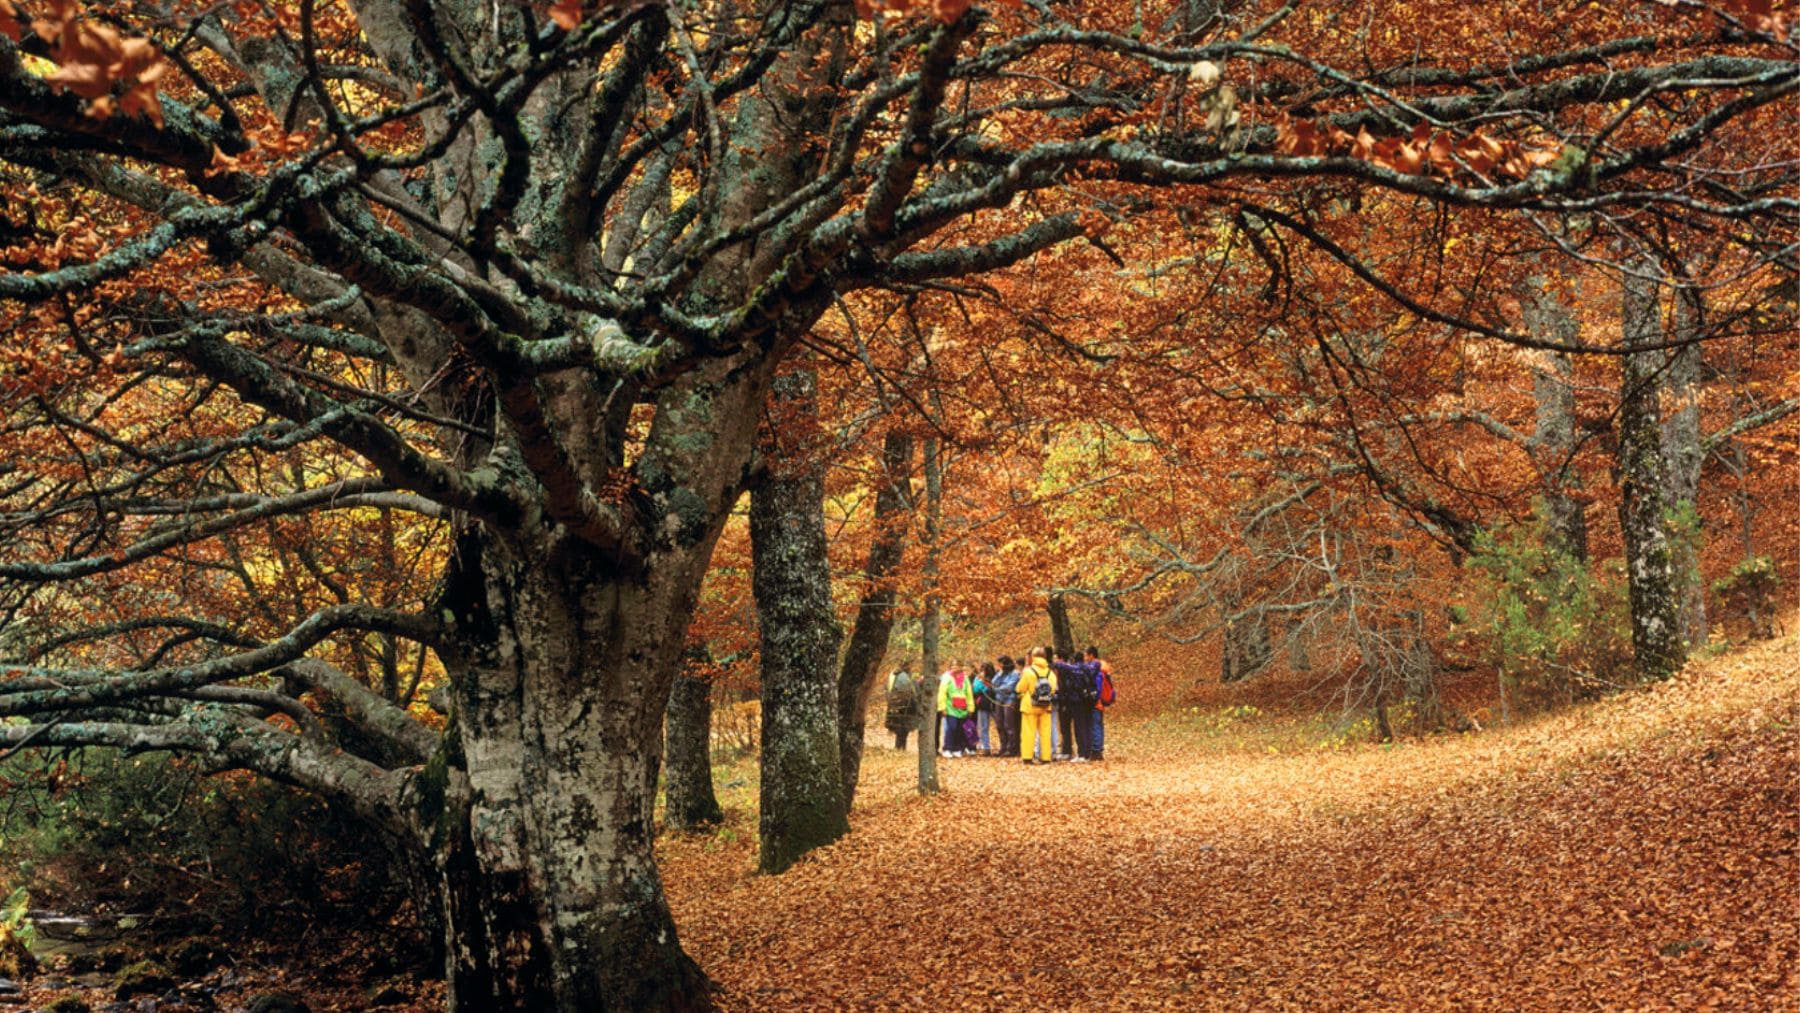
(193,957)
(276,1002)
(9,987)
(107,959)
(386,994)
(186,1000)
(146,977)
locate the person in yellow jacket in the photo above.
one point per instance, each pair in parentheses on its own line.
(1034,720)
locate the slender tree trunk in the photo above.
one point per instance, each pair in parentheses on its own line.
(1553,438)
(1419,670)
(874,624)
(1649,556)
(928,620)
(1062,635)
(1683,454)
(802,798)
(688,798)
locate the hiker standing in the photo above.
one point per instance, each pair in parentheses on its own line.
(984,707)
(1036,688)
(1105,698)
(956,701)
(902,705)
(1078,685)
(1006,705)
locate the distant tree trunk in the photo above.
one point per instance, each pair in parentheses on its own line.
(1683,454)
(874,624)
(1553,438)
(1298,657)
(1649,558)
(1384,727)
(1062,635)
(689,801)
(1245,647)
(1419,672)
(802,797)
(929,619)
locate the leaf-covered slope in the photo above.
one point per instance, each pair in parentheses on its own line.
(1640,852)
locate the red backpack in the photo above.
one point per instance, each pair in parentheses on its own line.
(1107,694)
(959,697)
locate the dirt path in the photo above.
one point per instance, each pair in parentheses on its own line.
(1637,853)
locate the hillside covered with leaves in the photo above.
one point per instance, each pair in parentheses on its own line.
(1638,852)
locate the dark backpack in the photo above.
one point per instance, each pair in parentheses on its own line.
(1078,683)
(903,696)
(1043,695)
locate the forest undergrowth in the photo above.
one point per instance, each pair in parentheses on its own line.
(1638,852)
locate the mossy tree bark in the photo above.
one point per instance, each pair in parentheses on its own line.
(802,792)
(874,625)
(539,803)
(1683,454)
(689,801)
(930,617)
(1554,435)
(1643,505)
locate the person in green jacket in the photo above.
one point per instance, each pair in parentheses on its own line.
(956,701)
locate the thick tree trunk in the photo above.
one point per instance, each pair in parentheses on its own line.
(874,624)
(1649,557)
(802,783)
(929,619)
(688,798)
(539,804)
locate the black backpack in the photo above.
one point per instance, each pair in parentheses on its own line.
(1043,694)
(1083,689)
(903,696)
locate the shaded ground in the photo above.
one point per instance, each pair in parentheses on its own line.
(1636,853)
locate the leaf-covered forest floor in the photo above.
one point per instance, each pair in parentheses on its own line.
(1637,852)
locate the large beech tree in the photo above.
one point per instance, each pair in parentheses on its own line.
(529,273)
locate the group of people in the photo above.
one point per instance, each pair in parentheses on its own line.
(1043,707)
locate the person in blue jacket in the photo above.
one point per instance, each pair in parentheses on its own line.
(1078,686)
(1006,705)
